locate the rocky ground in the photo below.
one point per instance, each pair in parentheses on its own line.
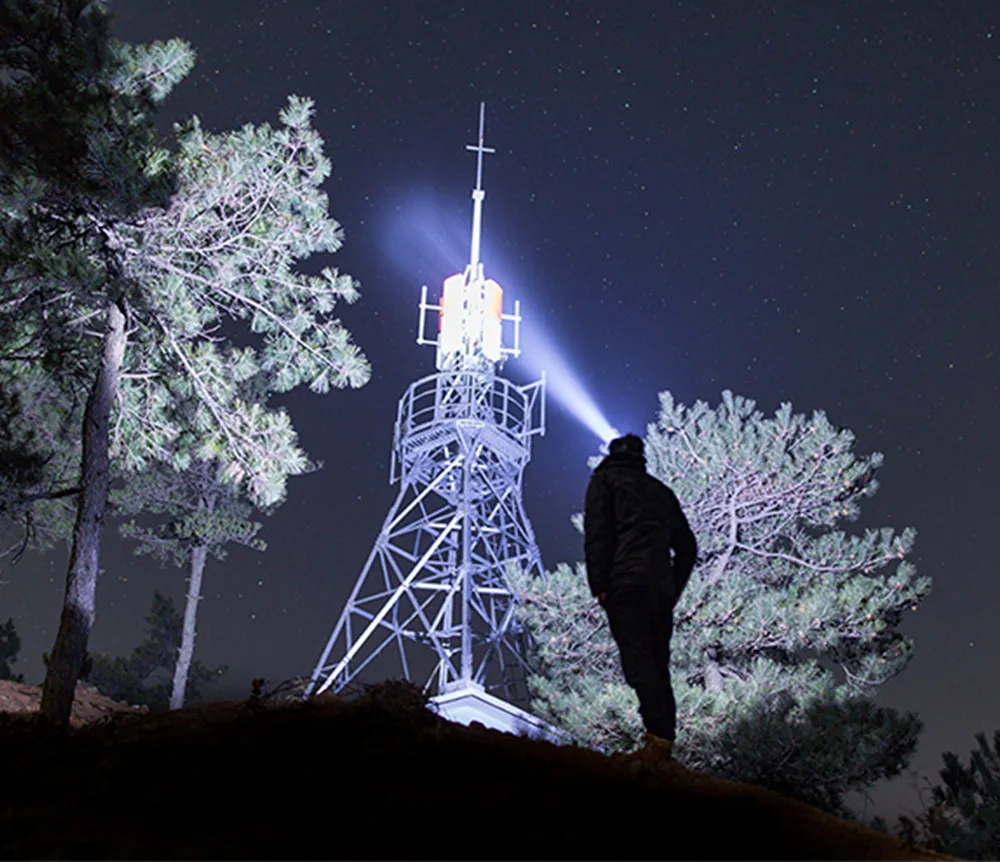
(374,778)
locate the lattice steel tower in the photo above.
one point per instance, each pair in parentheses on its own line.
(435,585)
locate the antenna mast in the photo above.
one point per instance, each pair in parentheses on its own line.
(478,193)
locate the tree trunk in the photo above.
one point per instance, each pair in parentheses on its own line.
(70,649)
(198,556)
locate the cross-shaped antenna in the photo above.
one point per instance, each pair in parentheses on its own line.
(480,149)
(478,193)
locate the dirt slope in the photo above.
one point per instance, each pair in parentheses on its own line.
(89,705)
(376,778)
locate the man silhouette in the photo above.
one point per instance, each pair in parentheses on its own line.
(632,523)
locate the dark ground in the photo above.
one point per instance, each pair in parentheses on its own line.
(377,777)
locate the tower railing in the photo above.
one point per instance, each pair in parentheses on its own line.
(433,409)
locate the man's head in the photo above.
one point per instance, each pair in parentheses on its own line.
(630,444)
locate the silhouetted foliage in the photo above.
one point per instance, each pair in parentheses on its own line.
(144,677)
(10,647)
(962,816)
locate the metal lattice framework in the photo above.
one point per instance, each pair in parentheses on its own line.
(437,576)
(436,583)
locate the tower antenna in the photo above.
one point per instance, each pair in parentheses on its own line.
(478,193)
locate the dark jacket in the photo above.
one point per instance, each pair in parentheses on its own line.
(631,524)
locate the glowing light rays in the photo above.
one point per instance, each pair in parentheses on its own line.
(424,239)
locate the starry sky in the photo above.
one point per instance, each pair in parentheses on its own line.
(797,201)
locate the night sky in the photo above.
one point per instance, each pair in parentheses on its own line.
(796,201)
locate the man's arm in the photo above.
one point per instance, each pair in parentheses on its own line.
(599,535)
(685,548)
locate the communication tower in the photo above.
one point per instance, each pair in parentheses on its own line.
(434,591)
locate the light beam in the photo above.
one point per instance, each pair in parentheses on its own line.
(540,353)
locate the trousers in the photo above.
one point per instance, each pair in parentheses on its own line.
(641,619)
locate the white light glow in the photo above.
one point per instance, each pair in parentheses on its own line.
(423,237)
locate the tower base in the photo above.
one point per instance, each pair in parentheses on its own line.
(466,702)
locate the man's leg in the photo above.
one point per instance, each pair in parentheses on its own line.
(634,617)
(663,625)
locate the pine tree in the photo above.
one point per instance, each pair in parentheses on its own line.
(40,420)
(963,817)
(144,678)
(10,647)
(781,600)
(65,119)
(199,515)
(77,162)
(127,264)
